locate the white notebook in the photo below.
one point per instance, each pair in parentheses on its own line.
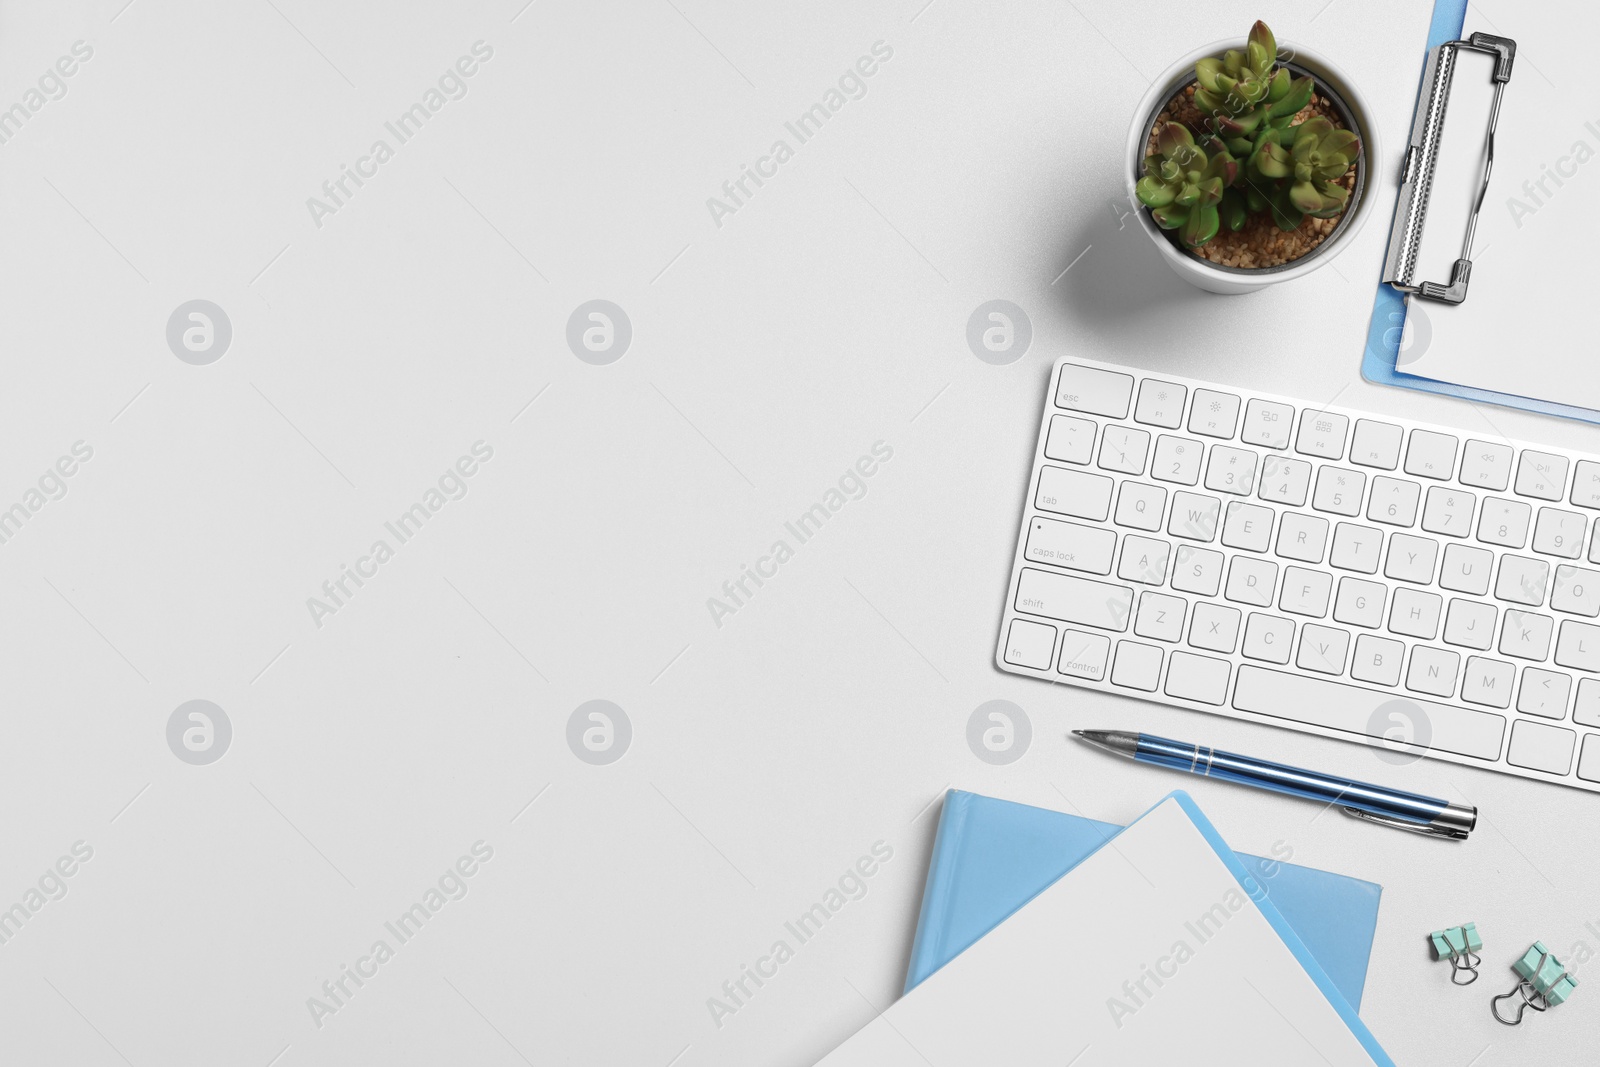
(1525,328)
(1150,951)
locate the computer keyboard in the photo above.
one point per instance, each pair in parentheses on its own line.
(1358,576)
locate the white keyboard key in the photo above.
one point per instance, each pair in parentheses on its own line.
(1411,558)
(1585,483)
(1141,506)
(1393,501)
(1522,580)
(1071,439)
(1488,682)
(1268,638)
(1177,460)
(1586,712)
(1160,616)
(1321,434)
(1541,748)
(1197,570)
(1305,592)
(1415,613)
(1137,666)
(1070,545)
(1144,560)
(1030,644)
(1231,470)
(1576,590)
(1378,660)
(1284,480)
(1194,516)
(1251,581)
(1353,709)
(1067,598)
(1578,646)
(1339,491)
(1432,671)
(1199,678)
(1267,424)
(1160,403)
(1099,392)
(1486,465)
(1594,544)
(1559,533)
(1302,537)
(1248,526)
(1070,492)
(1214,627)
(1322,649)
(1504,522)
(1470,624)
(1466,569)
(1376,444)
(1544,693)
(1214,413)
(1360,603)
(1526,635)
(1123,449)
(1541,475)
(1083,655)
(1431,455)
(1448,511)
(1356,548)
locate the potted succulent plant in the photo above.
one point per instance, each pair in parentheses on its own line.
(1249,165)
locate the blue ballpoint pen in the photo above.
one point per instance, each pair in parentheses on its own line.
(1375,803)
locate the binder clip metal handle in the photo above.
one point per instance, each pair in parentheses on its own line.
(1460,945)
(1542,983)
(1416,177)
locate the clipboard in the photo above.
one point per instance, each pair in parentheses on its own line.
(1382,361)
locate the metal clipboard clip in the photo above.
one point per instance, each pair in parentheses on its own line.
(1416,176)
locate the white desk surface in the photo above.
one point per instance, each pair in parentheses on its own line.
(431,710)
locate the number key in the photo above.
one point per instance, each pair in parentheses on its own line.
(1285,481)
(1231,470)
(1394,501)
(1448,511)
(1177,460)
(1504,522)
(1559,533)
(1339,490)
(1122,448)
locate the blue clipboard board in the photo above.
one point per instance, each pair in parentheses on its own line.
(1385,331)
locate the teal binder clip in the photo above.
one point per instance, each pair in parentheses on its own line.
(1460,945)
(1542,983)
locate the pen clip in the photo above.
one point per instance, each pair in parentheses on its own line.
(1448,832)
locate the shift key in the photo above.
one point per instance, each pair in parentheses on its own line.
(1076,600)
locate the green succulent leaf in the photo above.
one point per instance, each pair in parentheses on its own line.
(1173,136)
(1279,85)
(1261,37)
(1342,142)
(1206,71)
(1152,193)
(1201,226)
(1271,160)
(1233,210)
(1170,217)
(1296,96)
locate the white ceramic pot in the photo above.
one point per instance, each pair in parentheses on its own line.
(1231,280)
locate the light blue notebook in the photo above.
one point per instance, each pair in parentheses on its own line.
(992,856)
